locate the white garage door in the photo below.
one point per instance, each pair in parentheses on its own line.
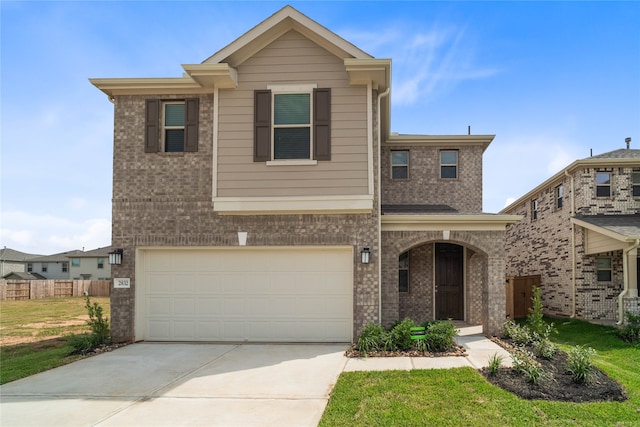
(245,294)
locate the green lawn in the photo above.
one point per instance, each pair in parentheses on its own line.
(462,397)
(34,325)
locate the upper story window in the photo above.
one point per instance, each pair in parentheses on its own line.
(75,262)
(449,164)
(635,184)
(559,195)
(603,268)
(29,267)
(292,137)
(65,267)
(100,262)
(292,123)
(534,209)
(603,184)
(44,267)
(171,126)
(403,272)
(399,164)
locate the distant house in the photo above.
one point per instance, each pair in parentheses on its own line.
(54,266)
(21,275)
(580,233)
(90,265)
(14,261)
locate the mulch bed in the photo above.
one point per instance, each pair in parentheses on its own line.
(559,386)
(456,351)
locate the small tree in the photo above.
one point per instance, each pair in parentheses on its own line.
(534,319)
(99,335)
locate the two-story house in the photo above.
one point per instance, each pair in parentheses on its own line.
(12,261)
(580,233)
(90,265)
(52,267)
(262,197)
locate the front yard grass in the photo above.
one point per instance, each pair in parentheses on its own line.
(463,397)
(33,334)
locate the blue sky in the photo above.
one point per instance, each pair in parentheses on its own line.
(551,80)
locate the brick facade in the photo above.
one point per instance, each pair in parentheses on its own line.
(550,246)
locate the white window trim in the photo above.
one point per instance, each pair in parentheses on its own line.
(450,164)
(165,128)
(292,89)
(400,165)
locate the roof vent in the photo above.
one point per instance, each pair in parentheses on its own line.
(628,141)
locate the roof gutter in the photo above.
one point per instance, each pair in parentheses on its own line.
(625,290)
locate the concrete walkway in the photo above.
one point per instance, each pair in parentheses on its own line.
(173,384)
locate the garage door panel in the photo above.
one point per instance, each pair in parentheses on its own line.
(266,294)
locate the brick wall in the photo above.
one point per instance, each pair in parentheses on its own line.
(544,245)
(484,276)
(164,199)
(425,186)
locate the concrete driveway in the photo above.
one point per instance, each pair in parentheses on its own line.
(153,384)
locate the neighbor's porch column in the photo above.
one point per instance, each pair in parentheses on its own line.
(632,273)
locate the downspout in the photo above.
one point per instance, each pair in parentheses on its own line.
(378,169)
(625,290)
(573,247)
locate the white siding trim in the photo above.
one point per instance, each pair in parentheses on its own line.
(370,137)
(292,205)
(214,155)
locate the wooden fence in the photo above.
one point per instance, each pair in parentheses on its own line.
(519,292)
(36,289)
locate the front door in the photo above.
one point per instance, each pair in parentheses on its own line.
(449,277)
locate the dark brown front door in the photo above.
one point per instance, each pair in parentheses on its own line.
(449,281)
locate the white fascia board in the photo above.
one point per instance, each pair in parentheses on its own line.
(604,231)
(148,86)
(292,205)
(449,222)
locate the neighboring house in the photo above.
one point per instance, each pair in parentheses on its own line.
(13,261)
(20,275)
(90,265)
(261,197)
(580,233)
(52,267)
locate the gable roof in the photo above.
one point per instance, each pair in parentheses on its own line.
(8,254)
(617,158)
(620,227)
(284,20)
(22,275)
(218,71)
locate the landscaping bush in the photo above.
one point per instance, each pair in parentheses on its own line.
(631,331)
(401,334)
(580,364)
(525,363)
(544,348)
(521,335)
(372,338)
(439,335)
(99,335)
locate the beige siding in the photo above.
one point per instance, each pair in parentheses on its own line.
(597,243)
(292,59)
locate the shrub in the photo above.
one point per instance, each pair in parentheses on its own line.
(372,338)
(631,331)
(535,321)
(521,335)
(99,335)
(544,348)
(439,335)
(495,363)
(400,334)
(580,365)
(525,364)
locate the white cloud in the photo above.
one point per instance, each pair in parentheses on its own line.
(48,234)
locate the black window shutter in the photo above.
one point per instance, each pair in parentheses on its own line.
(191,124)
(152,126)
(262,126)
(322,124)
